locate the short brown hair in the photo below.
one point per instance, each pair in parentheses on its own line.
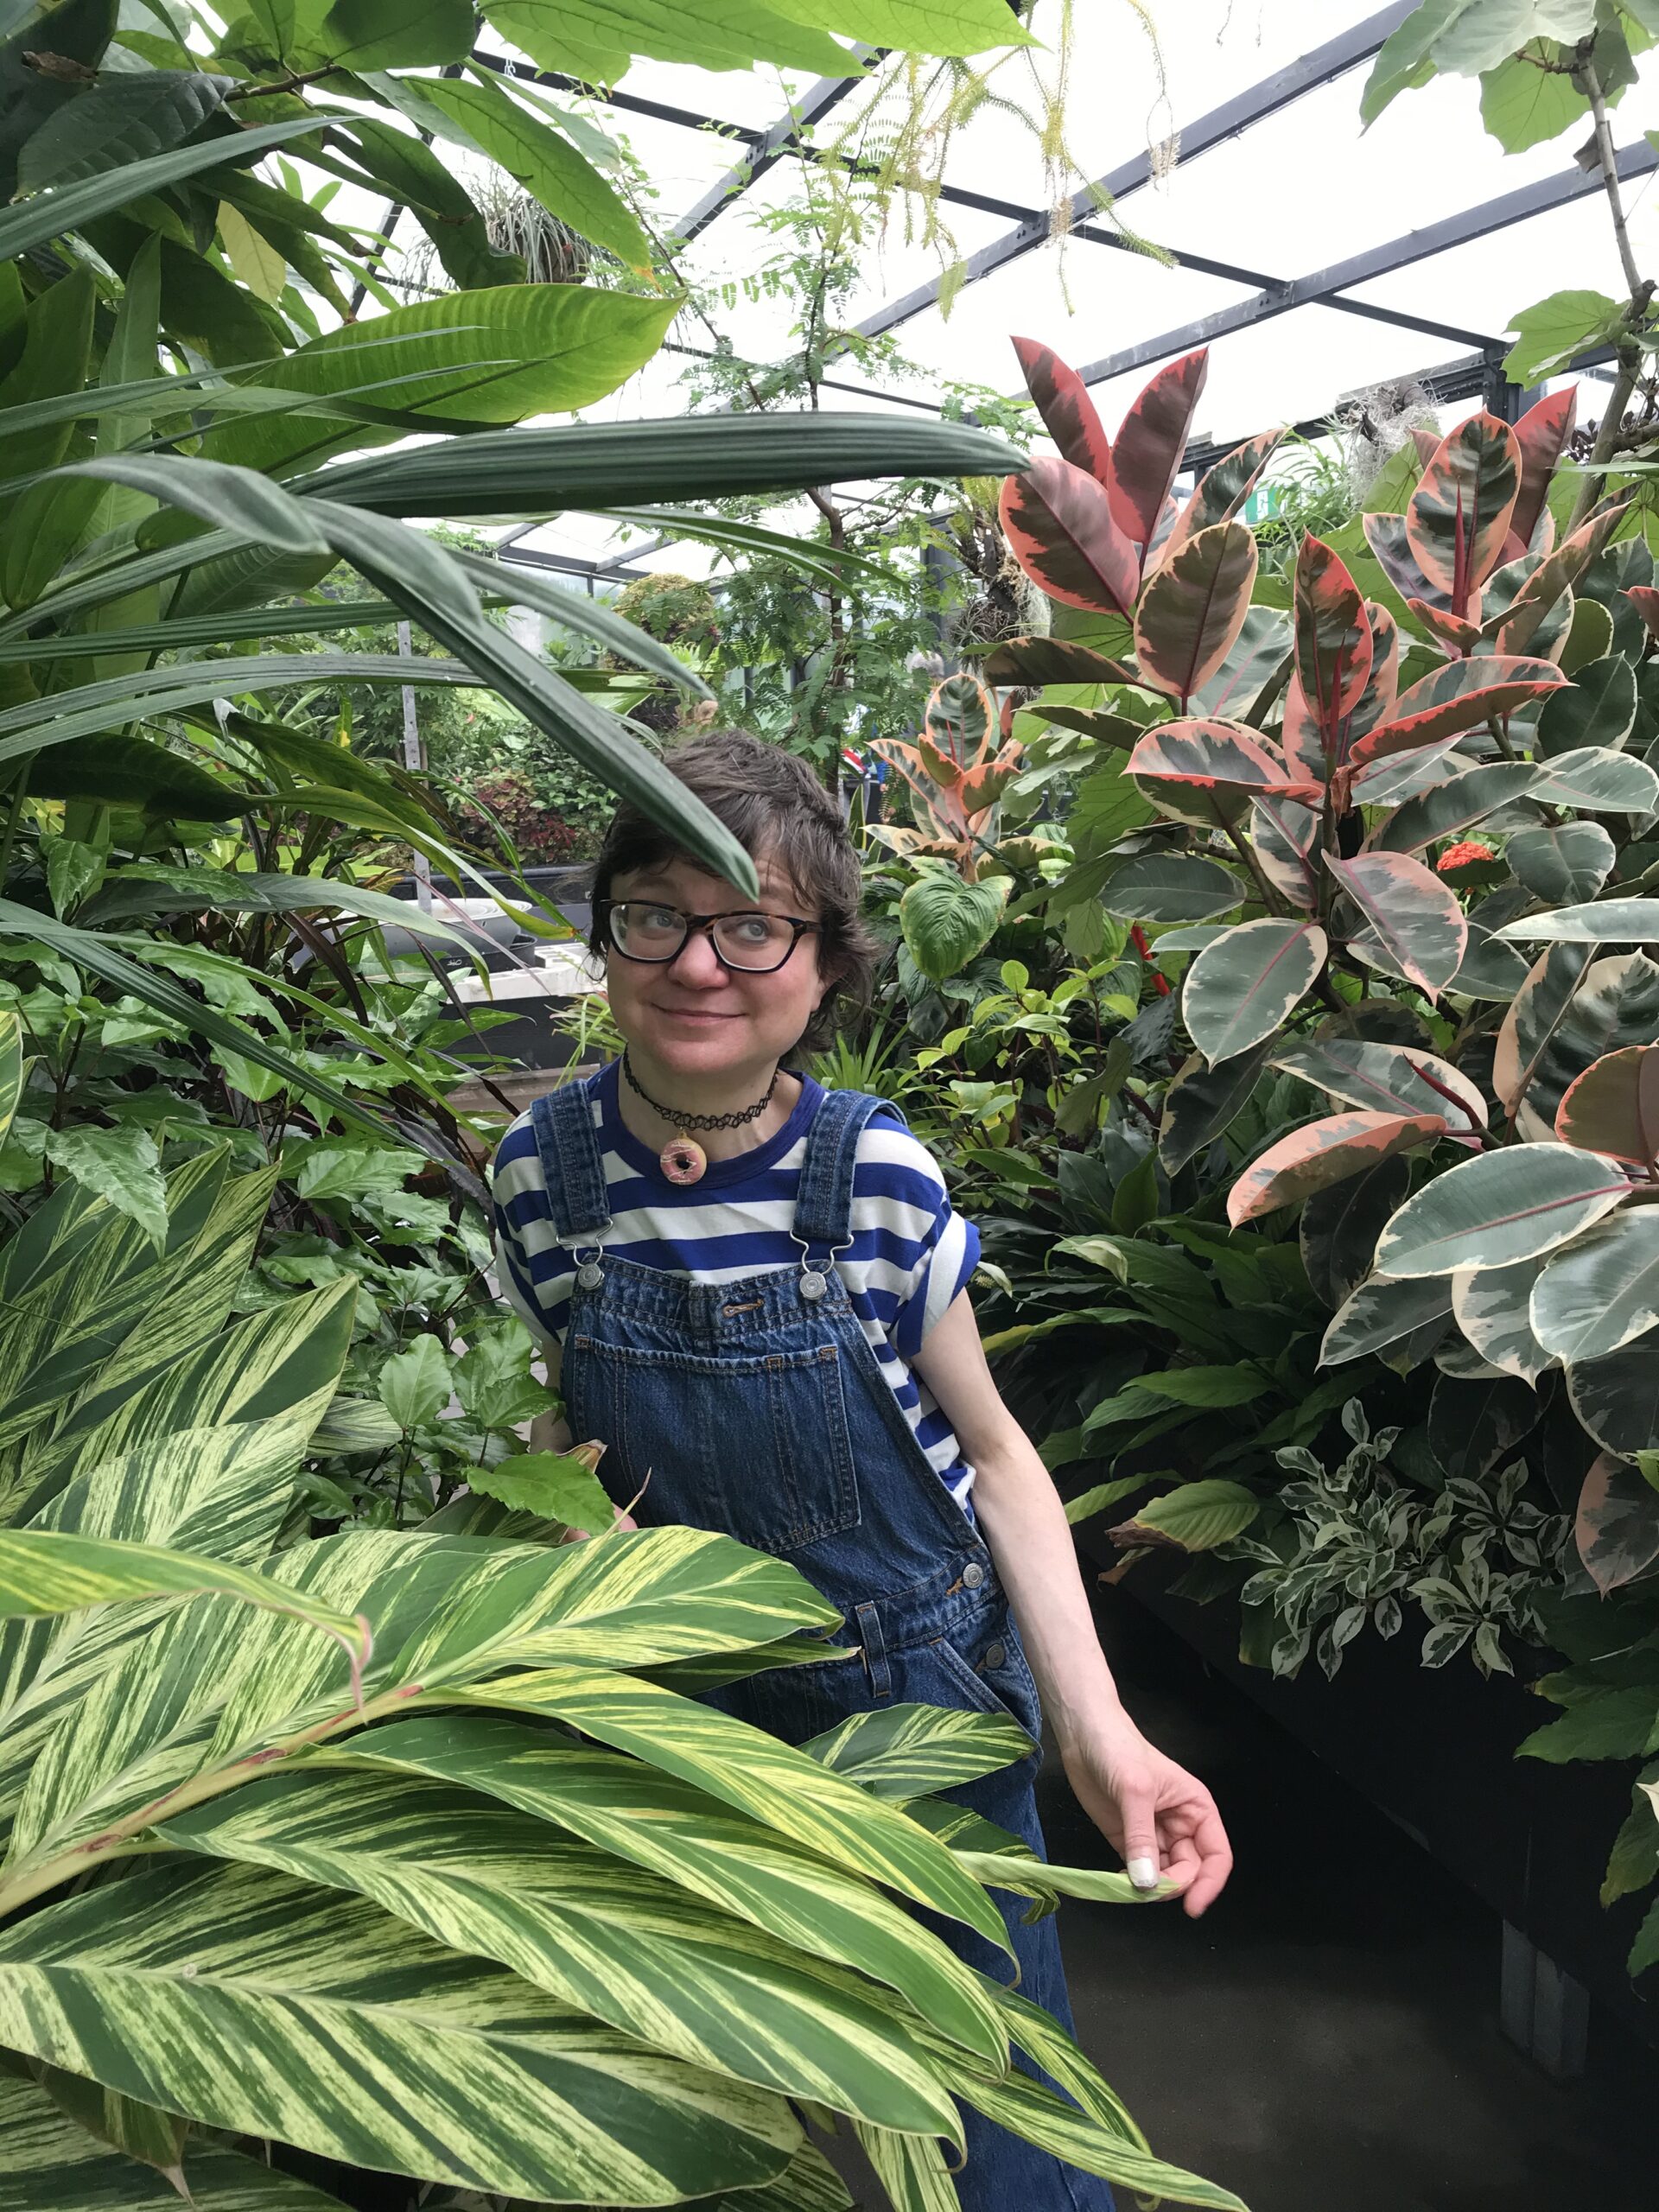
(777,809)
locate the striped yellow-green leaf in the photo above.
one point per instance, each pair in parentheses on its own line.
(912,1751)
(1029,2109)
(268,2008)
(809,2184)
(290,1356)
(144,2133)
(912,2170)
(671,1828)
(51,2165)
(11,1068)
(44,1572)
(769,1780)
(1038,1877)
(1041,2038)
(638,1952)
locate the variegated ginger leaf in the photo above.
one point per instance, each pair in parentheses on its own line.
(912,1751)
(641,1953)
(270,2008)
(652,1820)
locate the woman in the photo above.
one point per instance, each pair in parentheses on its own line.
(756,1291)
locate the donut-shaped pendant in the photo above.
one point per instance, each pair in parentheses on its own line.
(683,1162)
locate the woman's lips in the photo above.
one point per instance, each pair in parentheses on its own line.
(698,1016)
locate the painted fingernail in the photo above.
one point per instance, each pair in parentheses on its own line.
(1143,1872)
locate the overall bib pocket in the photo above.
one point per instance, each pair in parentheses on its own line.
(753,1445)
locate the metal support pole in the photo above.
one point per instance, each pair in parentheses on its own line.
(415,757)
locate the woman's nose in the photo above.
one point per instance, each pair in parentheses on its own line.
(696,961)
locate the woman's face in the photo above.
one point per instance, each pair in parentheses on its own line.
(689,1015)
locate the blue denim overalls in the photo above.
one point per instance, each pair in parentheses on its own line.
(758,1408)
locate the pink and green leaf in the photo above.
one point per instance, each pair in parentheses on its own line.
(1556,574)
(1617,1526)
(1241,988)
(1193,607)
(1460,515)
(1457,698)
(1645,600)
(1031,662)
(1458,633)
(1208,772)
(1613,1107)
(1413,918)
(1220,492)
(1059,526)
(1069,414)
(1333,642)
(1386,535)
(1329,1152)
(1150,443)
(1542,434)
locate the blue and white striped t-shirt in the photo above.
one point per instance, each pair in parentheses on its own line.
(911,1252)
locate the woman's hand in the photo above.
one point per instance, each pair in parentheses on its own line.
(1160,1818)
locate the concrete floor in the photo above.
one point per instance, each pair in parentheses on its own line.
(1326,2038)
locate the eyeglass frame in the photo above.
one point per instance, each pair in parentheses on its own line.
(704,923)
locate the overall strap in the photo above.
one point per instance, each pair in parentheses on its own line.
(573,1167)
(823,1205)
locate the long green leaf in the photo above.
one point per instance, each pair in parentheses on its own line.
(914,1751)
(835,565)
(522,587)
(639,1954)
(54,215)
(271,2008)
(11,1067)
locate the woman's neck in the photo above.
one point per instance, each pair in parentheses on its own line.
(725,1093)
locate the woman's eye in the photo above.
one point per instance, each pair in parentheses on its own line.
(756,928)
(656,918)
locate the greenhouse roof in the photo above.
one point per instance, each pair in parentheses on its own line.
(1315,257)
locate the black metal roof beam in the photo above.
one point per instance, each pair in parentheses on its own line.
(1357,44)
(769,148)
(1316,288)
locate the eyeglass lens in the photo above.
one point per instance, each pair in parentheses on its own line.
(752,940)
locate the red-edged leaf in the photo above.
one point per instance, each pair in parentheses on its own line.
(1208,772)
(1458,697)
(1219,494)
(1301,735)
(1329,1152)
(1333,642)
(1613,1107)
(1456,634)
(1415,918)
(1377,701)
(1428,445)
(1645,600)
(1150,443)
(1542,434)
(1191,609)
(1035,661)
(1068,413)
(961,721)
(1617,1526)
(1458,517)
(982,786)
(1059,527)
(1386,535)
(1241,988)
(1556,572)
(1284,834)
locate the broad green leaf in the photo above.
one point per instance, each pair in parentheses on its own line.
(256,262)
(1617,1399)
(1196,1517)
(414,1386)
(1201,1102)
(1597,709)
(1457,805)
(122,119)
(1602,1291)
(1617,1526)
(1475,1423)
(55,213)
(1561,862)
(548,166)
(594,39)
(768,1780)
(1522,105)
(1505,1206)
(553,1485)
(949,27)
(1382,1312)
(1491,1307)
(1537,1010)
(947,923)
(1324,1152)
(121,1165)
(1598,779)
(369,34)
(1206,1386)
(1551,333)
(131,771)
(651,1820)
(637,1952)
(1171,887)
(1339,1228)
(228,498)
(564,346)
(1240,988)
(270,2007)
(1615,1002)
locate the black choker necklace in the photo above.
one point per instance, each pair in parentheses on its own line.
(680,1159)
